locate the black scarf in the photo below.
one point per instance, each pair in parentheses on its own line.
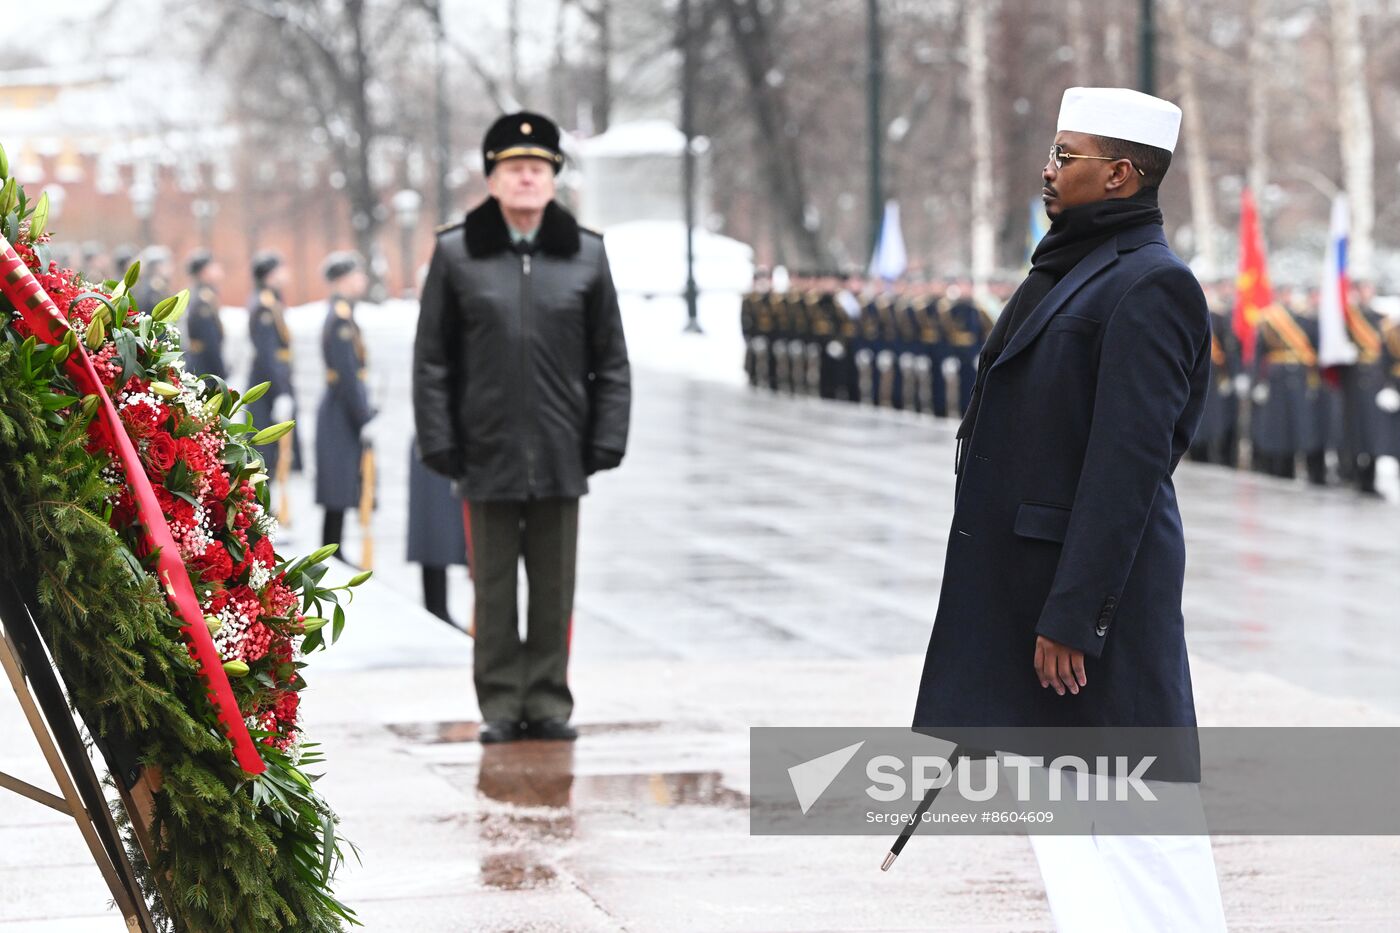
(1076,233)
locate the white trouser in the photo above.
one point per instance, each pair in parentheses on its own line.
(1119,884)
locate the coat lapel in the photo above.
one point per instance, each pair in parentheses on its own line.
(1090,266)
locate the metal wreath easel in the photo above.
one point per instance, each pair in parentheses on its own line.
(80,796)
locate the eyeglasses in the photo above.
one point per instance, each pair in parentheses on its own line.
(1058,156)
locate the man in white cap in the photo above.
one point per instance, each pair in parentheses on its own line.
(1061,597)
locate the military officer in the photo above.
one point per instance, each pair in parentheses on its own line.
(343,417)
(521,391)
(272,356)
(204,344)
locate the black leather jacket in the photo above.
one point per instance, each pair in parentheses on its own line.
(521,386)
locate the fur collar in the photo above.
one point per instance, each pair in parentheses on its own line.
(487,233)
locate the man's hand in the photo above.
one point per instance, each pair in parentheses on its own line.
(444,463)
(1059,666)
(601,458)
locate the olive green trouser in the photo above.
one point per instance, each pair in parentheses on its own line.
(523,680)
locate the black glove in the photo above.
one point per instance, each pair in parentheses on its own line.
(601,458)
(444,462)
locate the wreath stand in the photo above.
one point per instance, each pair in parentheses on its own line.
(41,697)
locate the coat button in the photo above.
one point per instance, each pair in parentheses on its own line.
(1101,629)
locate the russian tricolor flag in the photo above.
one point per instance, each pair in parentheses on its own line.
(1334,345)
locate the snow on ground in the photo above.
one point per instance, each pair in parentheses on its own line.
(648,257)
(656,337)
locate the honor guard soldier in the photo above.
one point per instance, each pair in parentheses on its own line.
(866,346)
(965,328)
(1388,398)
(437,532)
(808,346)
(1361,419)
(154,285)
(1216,440)
(1288,416)
(765,373)
(204,343)
(345,412)
(749,312)
(781,303)
(931,349)
(842,348)
(272,363)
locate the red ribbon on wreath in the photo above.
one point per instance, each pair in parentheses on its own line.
(43,317)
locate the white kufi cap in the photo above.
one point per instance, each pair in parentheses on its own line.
(1120,113)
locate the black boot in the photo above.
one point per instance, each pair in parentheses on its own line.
(435,592)
(333,528)
(1317,467)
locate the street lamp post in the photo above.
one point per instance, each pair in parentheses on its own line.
(1147,52)
(874,80)
(406,207)
(692,303)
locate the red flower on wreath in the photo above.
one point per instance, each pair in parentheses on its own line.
(286,708)
(123,510)
(193,455)
(262,553)
(256,642)
(181,514)
(215,564)
(218,491)
(142,419)
(279,600)
(245,602)
(160,452)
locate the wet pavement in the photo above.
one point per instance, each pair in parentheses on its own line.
(763,561)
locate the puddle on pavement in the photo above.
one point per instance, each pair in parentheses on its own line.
(530,799)
(438,733)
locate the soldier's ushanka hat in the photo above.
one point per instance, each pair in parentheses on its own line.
(264,263)
(340,264)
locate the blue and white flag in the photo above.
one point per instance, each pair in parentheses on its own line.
(890,260)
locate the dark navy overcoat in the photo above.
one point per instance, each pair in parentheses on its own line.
(344,410)
(1066,521)
(437,535)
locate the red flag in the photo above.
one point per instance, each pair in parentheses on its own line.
(1253,292)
